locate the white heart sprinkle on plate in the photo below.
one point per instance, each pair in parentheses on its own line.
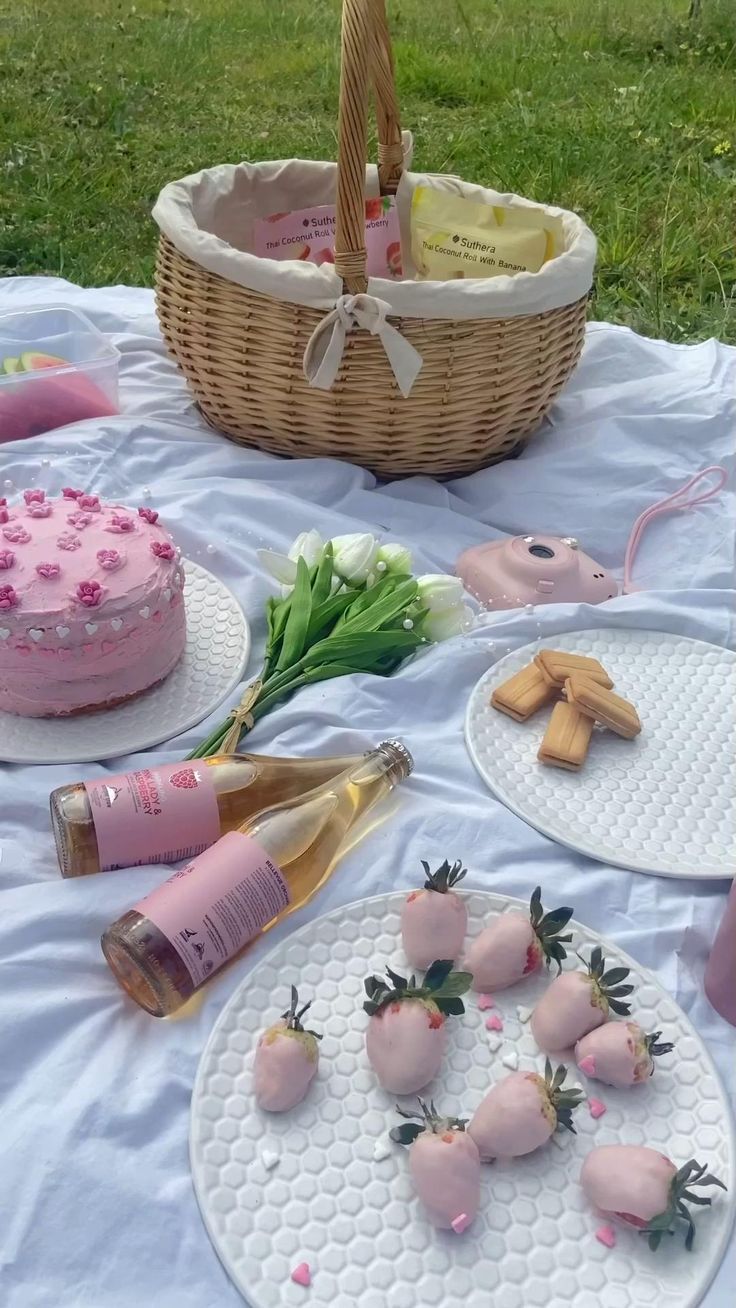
(381,1151)
(270,1159)
(523,1013)
(511,1060)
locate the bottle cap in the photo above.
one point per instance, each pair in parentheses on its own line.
(400,753)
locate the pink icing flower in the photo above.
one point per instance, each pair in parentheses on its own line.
(148,515)
(120,522)
(16,534)
(68,542)
(89,502)
(34,496)
(48,570)
(162,549)
(89,593)
(110,559)
(39,509)
(79,520)
(7,559)
(69,493)
(8,597)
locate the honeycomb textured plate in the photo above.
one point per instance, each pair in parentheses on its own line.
(213,662)
(660,803)
(356,1221)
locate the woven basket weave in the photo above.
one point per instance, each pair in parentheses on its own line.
(485,383)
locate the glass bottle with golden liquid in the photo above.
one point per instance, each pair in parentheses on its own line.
(171,942)
(166,813)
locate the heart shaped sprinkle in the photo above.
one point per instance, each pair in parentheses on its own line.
(270,1159)
(511,1060)
(145,612)
(597,1107)
(587,1065)
(486,1001)
(301,1275)
(381,1151)
(4,633)
(167,594)
(116,623)
(36,634)
(494,1043)
(62,632)
(494,1023)
(523,1013)
(90,628)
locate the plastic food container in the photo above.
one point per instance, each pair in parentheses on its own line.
(37,393)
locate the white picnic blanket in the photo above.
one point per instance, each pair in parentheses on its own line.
(96,1204)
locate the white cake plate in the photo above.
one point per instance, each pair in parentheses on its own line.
(355,1220)
(213,662)
(661,803)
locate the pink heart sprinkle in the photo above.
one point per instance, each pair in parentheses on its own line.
(157,616)
(23,649)
(460,1223)
(606,1235)
(486,1001)
(597,1107)
(108,647)
(302,1275)
(587,1065)
(494,1023)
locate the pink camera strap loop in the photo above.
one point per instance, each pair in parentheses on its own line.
(679,500)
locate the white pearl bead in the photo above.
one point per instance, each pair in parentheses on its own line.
(407,624)
(8,484)
(528,608)
(45,463)
(146,492)
(211,549)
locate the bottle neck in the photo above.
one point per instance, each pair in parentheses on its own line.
(393,758)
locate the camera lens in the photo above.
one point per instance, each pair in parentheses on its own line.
(541,551)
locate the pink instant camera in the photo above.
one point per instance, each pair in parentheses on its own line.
(507,574)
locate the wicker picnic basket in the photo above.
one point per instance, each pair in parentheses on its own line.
(239,326)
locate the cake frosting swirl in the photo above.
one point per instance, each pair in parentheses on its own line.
(91,608)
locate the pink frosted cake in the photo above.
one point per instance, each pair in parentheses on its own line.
(91,609)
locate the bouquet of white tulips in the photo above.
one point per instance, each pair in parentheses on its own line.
(347,605)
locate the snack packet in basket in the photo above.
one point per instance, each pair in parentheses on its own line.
(309,234)
(453,237)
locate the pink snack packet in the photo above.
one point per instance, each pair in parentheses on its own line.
(309,234)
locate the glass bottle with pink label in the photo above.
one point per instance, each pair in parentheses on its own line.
(174,939)
(172,811)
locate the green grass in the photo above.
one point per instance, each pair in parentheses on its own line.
(621,110)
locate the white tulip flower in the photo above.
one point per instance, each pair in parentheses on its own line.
(309,546)
(354,556)
(449,622)
(438,592)
(279,566)
(397,558)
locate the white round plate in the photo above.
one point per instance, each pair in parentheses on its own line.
(356,1221)
(661,803)
(213,662)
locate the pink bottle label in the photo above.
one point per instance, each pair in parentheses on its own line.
(156,815)
(212,907)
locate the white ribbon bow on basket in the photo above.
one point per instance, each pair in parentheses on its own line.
(325,346)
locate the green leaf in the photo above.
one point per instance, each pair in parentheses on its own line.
(356,647)
(381,608)
(407,1133)
(437,973)
(398,982)
(452,1007)
(297,624)
(457,983)
(614,975)
(323,619)
(323,577)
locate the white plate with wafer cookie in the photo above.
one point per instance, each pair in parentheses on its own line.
(659,800)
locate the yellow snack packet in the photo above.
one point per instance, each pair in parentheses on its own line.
(453,237)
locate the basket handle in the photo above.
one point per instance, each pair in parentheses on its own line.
(365,57)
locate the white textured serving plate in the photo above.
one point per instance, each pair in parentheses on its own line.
(213,662)
(661,803)
(355,1220)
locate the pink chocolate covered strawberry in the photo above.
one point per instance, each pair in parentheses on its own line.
(444,1165)
(642,1188)
(407,1033)
(577,1002)
(522,1111)
(514,945)
(619,1053)
(434,919)
(286,1062)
